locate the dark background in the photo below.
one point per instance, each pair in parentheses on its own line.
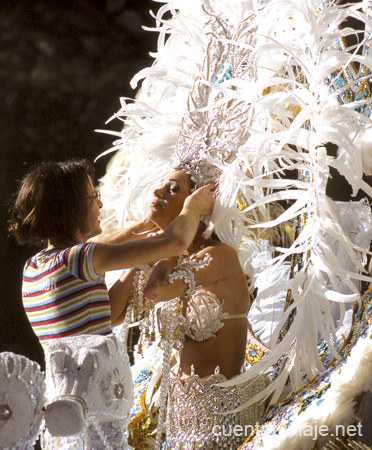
(63,67)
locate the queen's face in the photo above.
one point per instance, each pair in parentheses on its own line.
(169,198)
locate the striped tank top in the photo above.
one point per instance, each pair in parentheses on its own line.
(62,294)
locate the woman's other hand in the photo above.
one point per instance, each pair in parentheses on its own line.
(203,199)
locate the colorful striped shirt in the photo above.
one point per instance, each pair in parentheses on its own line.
(62,294)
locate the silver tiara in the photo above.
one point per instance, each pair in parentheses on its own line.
(213,130)
(201,171)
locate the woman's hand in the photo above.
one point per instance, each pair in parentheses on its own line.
(148,227)
(138,230)
(202,199)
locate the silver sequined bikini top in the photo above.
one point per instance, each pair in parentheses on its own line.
(204,313)
(204,316)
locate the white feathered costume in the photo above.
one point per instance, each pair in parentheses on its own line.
(258,88)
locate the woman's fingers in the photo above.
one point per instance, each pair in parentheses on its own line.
(204,198)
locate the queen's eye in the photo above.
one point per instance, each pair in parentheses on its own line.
(173,188)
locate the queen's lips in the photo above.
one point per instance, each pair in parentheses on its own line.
(156,203)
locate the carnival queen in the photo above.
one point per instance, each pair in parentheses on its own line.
(203,303)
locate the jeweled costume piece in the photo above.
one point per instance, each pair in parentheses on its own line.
(199,411)
(22,398)
(196,414)
(89,393)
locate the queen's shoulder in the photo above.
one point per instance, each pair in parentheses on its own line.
(214,246)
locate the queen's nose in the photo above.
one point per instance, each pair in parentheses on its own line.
(159,192)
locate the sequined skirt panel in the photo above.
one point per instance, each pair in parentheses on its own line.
(194,419)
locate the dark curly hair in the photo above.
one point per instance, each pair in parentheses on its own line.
(51,203)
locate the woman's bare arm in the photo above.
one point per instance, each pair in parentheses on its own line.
(222,261)
(133,232)
(119,295)
(173,242)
